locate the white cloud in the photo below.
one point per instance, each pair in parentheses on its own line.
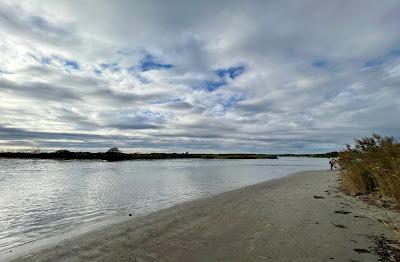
(316,74)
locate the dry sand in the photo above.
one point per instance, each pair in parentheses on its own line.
(279,220)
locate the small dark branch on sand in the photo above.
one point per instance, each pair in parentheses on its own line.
(388,250)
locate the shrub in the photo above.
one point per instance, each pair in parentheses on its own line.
(113,150)
(62,151)
(372,165)
(33,150)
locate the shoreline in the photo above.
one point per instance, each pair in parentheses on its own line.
(120,156)
(257,222)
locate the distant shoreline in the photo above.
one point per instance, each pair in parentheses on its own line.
(119,156)
(125,156)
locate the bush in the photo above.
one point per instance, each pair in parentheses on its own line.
(372,165)
(113,150)
(62,152)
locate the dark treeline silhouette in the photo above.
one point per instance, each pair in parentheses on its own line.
(114,154)
(324,155)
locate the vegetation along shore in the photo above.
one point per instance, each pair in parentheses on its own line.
(370,170)
(114,154)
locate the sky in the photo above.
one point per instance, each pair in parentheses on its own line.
(198,76)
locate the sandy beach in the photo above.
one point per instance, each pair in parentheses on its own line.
(302,217)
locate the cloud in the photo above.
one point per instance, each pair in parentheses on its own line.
(22,23)
(37,90)
(258,76)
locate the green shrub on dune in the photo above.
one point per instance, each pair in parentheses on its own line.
(372,165)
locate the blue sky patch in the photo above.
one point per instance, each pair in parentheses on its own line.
(214,85)
(319,63)
(378,61)
(47,60)
(232,101)
(72,64)
(374,62)
(149,63)
(395,52)
(44,60)
(112,67)
(231,72)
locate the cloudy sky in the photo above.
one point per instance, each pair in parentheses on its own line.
(221,76)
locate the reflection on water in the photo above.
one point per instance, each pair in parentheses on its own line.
(42,198)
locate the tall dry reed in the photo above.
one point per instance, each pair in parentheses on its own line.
(372,165)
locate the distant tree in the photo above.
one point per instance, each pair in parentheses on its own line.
(33,150)
(62,151)
(113,150)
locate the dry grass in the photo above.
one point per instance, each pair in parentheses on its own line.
(372,169)
(389,249)
(395,227)
(372,166)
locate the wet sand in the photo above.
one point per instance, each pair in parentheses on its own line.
(302,217)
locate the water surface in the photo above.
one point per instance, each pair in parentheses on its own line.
(43,198)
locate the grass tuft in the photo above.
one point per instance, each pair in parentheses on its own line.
(372,166)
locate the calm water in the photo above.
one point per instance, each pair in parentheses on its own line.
(42,198)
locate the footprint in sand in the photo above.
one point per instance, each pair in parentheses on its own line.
(343,212)
(339,226)
(361,250)
(360,217)
(319,197)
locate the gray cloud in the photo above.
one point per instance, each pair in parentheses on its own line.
(316,74)
(18,21)
(38,90)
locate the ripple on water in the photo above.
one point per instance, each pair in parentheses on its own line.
(43,198)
